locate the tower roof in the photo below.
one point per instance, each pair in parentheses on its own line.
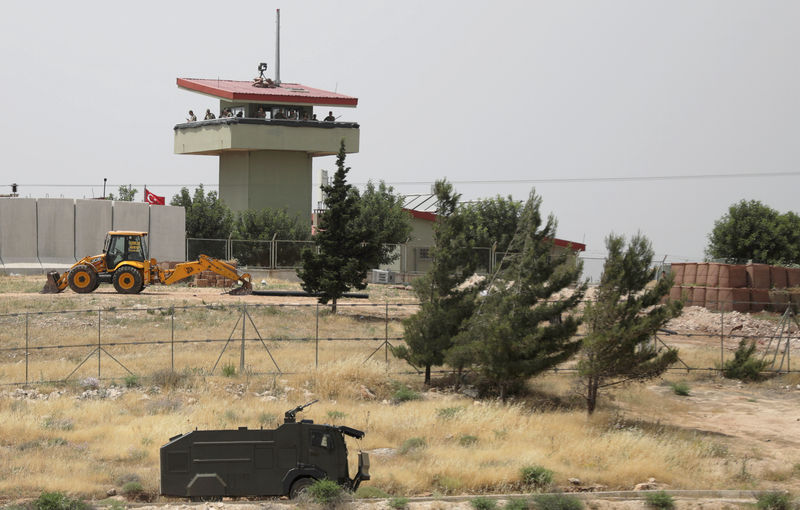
(288,93)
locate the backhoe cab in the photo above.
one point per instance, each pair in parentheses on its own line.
(125,263)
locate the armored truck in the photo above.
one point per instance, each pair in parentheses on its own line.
(210,464)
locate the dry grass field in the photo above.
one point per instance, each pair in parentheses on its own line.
(86,435)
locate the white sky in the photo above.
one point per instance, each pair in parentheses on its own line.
(471,91)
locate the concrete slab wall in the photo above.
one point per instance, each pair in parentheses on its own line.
(167,233)
(56,231)
(131,216)
(92,222)
(18,232)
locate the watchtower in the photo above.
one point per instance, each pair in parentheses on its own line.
(265,135)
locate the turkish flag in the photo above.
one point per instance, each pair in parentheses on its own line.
(152,198)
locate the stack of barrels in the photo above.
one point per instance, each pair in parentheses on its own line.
(743,288)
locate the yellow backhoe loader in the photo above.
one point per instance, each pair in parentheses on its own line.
(125,264)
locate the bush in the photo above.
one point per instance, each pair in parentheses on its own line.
(404,394)
(660,500)
(228,370)
(132,489)
(326,492)
(557,502)
(744,366)
(481,503)
(131,381)
(369,492)
(536,477)
(412,444)
(774,501)
(467,441)
(58,501)
(448,413)
(516,504)
(681,389)
(167,378)
(336,415)
(398,503)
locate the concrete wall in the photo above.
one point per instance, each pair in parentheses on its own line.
(52,233)
(56,231)
(18,231)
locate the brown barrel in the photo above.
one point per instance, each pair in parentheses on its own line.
(713,275)
(689,273)
(677,271)
(757,276)
(741,299)
(702,274)
(725,299)
(778,277)
(759,299)
(712,298)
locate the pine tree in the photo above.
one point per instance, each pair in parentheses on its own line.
(520,329)
(621,323)
(444,302)
(340,260)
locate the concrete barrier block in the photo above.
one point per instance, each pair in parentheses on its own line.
(167,232)
(56,231)
(132,216)
(18,248)
(92,223)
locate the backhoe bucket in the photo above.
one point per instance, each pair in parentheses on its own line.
(51,287)
(245,289)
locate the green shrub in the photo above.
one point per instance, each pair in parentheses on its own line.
(370,492)
(467,441)
(774,501)
(412,444)
(115,504)
(744,366)
(58,501)
(336,415)
(132,489)
(536,477)
(228,370)
(660,500)
(481,503)
(404,394)
(398,503)
(681,388)
(167,378)
(516,504)
(557,502)
(326,492)
(131,381)
(448,413)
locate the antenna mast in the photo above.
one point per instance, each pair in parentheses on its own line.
(278,47)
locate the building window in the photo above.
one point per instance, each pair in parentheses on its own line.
(424,253)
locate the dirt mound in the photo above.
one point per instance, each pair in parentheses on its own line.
(696,319)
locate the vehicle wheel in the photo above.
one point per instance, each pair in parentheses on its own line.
(128,280)
(82,279)
(300,485)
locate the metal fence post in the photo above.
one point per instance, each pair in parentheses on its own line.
(172,338)
(99,310)
(316,340)
(26,348)
(241,355)
(721,340)
(386,336)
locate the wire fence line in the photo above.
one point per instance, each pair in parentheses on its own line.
(64,345)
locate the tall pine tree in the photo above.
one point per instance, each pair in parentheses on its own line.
(519,329)
(342,256)
(444,301)
(621,323)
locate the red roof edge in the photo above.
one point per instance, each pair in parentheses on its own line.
(429,216)
(259,96)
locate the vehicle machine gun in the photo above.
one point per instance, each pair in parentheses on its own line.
(290,415)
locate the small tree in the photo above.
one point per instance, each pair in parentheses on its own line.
(207,216)
(494,221)
(445,302)
(126,194)
(621,323)
(341,259)
(383,222)
(520,329)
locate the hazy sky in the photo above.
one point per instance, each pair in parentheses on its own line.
(471,91)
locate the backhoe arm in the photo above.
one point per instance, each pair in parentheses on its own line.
(206,263)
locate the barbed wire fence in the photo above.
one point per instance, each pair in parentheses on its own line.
(271,339)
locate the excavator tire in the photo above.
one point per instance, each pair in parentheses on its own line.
(128,280)
(82,279)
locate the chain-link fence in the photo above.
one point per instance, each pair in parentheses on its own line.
(59,346)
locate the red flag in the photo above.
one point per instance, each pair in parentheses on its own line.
(152,198)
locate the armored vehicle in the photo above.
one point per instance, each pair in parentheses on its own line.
(210,464)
